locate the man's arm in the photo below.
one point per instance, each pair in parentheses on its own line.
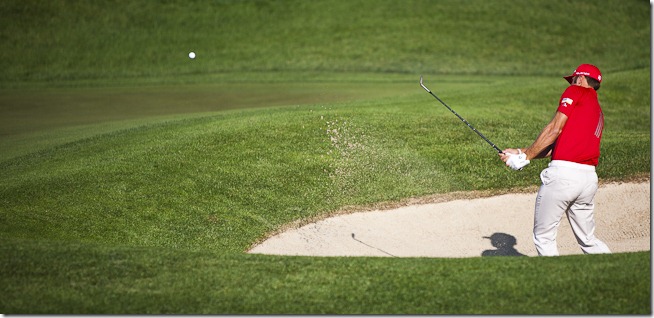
(544,143)
(542,146)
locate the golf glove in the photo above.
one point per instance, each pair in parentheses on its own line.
(517,162)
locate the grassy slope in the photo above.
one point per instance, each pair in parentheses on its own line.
(216,183)
(222,181)
(36,119)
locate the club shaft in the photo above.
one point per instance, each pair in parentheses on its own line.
(462,119)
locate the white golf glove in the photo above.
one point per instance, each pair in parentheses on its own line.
(517,162)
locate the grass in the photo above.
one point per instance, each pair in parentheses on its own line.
(30,122)
(132,179)
(119,41)
(203,189)
(118,280)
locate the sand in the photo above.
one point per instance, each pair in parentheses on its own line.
(498,225)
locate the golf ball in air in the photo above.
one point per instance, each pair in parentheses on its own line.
(191,55)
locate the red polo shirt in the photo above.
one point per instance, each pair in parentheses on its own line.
(580,139)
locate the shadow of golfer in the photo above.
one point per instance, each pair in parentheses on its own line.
(504,244)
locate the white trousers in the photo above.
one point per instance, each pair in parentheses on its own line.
(569,188)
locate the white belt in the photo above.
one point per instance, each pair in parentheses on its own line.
(570,164)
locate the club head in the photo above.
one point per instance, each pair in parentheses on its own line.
(423,86)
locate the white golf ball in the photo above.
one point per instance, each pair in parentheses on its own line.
(191,55)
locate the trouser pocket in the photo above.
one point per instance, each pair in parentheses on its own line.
(548,175)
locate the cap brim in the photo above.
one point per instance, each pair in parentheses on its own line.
(568,78)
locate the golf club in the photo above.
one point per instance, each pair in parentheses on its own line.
(462,119)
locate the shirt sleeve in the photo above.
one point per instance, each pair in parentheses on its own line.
(568,100)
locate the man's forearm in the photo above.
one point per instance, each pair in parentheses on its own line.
(533,153)
(543,145)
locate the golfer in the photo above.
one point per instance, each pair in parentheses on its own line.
(572,139)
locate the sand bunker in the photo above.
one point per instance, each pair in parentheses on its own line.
(499,225)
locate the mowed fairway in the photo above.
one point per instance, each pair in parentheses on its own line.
(133,179)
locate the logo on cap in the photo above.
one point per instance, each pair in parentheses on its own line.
(587,70)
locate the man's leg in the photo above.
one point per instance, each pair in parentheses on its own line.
(582,221)
(551,203)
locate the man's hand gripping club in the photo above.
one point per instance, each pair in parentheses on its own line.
(514,158)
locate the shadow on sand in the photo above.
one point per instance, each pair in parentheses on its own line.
(504,244)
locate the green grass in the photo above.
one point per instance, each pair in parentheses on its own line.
(127,41)
(35,119)
(133,180)
(117,280)
(222,181)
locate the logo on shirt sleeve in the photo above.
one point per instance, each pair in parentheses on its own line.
(566,102)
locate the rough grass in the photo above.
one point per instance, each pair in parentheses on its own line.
(53,278)
(126,186)
(121,41)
